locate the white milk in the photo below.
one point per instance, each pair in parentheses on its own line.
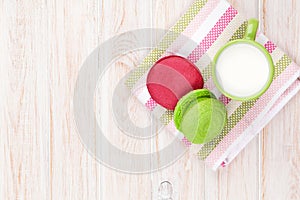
(242,70)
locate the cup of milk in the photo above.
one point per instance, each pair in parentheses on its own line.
(243,69)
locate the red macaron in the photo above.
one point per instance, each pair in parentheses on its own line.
(171,78)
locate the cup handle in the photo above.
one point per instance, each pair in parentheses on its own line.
(251,29)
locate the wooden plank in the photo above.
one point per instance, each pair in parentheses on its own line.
(185,177)
(240,179)
(281,25)
(280,142)
(24,117)
(118,17)
(72,35)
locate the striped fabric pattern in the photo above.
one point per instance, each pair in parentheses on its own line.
(213,23)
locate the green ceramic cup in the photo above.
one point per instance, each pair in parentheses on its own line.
(243,69)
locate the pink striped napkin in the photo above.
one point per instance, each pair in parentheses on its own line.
(210,24)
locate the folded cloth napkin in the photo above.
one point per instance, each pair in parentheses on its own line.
(210,24)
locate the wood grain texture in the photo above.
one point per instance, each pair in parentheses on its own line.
(118,17)
(72,35)
(280,151)
(186,175)
(24,102)
(43,45)
(240,180)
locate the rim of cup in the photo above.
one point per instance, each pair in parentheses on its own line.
(249,39)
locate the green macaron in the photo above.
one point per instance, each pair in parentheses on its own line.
(200,116)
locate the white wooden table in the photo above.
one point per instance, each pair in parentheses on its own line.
(43,44)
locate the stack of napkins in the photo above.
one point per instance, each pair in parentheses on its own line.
(210,24)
